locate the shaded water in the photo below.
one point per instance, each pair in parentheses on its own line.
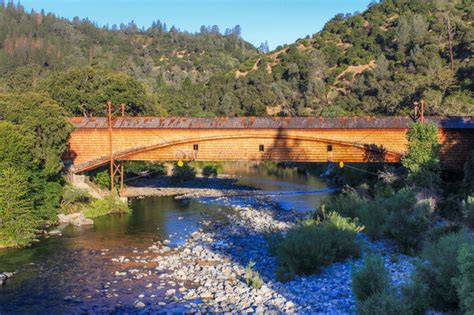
(79,265)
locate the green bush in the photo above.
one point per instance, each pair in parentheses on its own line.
(108,205)
(414,296)
(209,171)
(345,204)
(408,227)
(386,302)
(372,278)
(252,278)
(465,281)
(307,248)
(183,173)
(441,268)
(102,178)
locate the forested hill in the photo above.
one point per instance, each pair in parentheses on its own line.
(375,62)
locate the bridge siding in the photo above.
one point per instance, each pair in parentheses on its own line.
(90,144)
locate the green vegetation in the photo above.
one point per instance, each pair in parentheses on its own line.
(378,61)
(373,290)
(465,282)
(209,171)
(252,278)
(395,215)
(370,279)
(33,136)
(108,205)
(442,268)
(422,159)
(183,173)
(298,253)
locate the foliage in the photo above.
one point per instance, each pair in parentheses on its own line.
(385,302)
(465,281)
(298,253)
(441,268)
(209,171)
(252,278)
(32,139)
(422,159)
(183,173)
(137,168)
(108,205)
(72,195)
(102,178)
(345,204)
(414,296)
(17,217)
(85,91)
(371,279)
(401,47)
(407,223)
(394,215)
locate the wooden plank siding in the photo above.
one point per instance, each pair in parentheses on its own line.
(89,147)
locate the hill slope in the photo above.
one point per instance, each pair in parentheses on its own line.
(375,62)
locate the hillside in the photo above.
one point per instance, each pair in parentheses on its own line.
(375,62)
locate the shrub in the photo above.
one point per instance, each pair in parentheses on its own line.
(209,171)
(108,205)
(465,281)
(386,302)
(305,249)
(345,204)
(252,277)
(414,296)
(183,173)
(372,278)
(408,227)
(102,178)
(441,268)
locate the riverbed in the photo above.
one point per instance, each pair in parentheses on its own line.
(77,271)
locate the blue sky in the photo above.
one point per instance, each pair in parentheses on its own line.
(278,21)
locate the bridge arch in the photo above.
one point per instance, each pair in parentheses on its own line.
(279,143)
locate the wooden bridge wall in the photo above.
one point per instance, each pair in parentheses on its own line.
(294,145)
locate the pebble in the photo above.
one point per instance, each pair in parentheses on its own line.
(209,269)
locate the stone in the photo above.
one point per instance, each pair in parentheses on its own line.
(55,233)
(170,292)
(206,295)
(139,305)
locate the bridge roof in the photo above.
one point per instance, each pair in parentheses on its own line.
(381,122)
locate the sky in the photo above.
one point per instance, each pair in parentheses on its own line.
(276,21)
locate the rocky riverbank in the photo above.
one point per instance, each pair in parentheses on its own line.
(199,187)
(207,273)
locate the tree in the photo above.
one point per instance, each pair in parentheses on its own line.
(17,220)
(44,126)
(422,160)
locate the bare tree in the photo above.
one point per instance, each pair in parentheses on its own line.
(451,33)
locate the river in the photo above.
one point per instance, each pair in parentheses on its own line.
(69,273)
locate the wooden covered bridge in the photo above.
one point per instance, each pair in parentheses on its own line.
(98,141)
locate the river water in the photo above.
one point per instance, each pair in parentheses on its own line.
(78,266)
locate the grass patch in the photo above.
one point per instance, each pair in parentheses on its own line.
(108,205)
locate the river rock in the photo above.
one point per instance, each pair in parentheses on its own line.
(77,219)
(4,276)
